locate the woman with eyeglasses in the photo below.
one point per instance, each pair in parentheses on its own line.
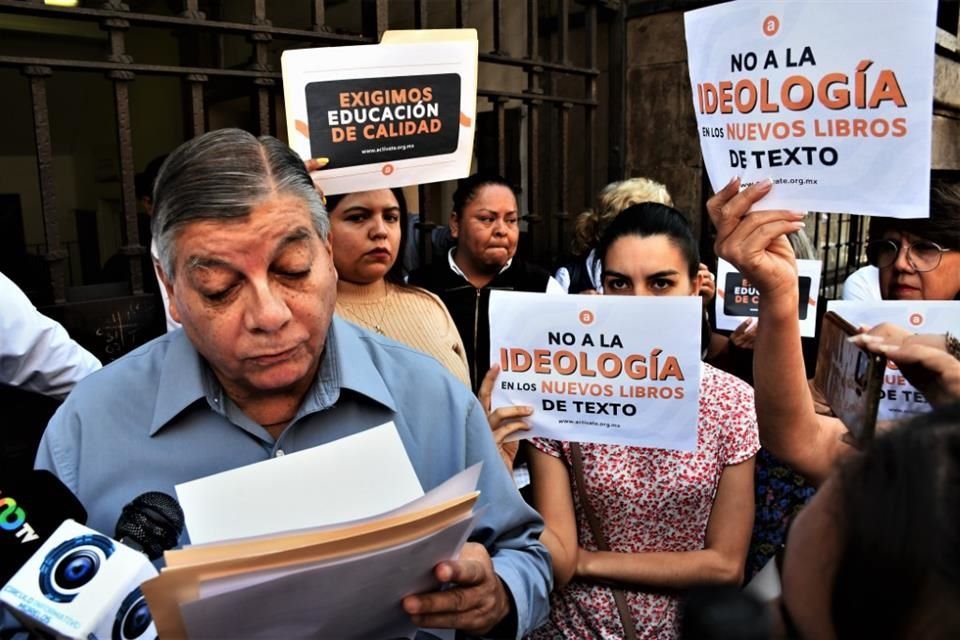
(917,259)
(874,555)
(808,442)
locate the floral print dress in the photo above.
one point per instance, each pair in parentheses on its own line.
(651,500)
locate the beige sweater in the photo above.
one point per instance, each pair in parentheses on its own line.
(412,316)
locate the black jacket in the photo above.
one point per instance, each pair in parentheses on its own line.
(469,306)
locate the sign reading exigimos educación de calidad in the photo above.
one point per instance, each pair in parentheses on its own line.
(608,369)
(397,113)
(833,101)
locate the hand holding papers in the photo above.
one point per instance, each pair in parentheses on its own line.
(474,605)
(345,580)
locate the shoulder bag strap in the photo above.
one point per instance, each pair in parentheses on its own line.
(626,619)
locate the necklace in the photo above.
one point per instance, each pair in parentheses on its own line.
(381,303)
(365,304)
(378,326)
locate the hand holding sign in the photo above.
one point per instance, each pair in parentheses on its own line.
(901,397)
(922,359)
(313,166)
(708,286)
(756,243)
(505,420)
(745,334)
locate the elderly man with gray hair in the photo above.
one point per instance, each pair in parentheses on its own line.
(262,367)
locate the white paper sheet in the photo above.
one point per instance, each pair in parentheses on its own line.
(459,485)
(830,100)
(332,483)
(609,369)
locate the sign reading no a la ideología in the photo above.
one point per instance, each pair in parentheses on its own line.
(831,100)
(398,113)
(607,369)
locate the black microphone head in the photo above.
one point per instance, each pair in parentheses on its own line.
(153,521)
(32,506)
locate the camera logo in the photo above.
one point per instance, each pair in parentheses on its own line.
(72,564)
(133,618)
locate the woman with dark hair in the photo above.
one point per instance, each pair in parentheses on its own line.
(366,232)
(672,519)
(485,222)
(875,554)
(582,273)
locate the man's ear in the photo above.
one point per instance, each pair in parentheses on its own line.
(454,224)
(167,284)
(328,245)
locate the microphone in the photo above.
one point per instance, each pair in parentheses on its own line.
(81,584)
(32,506)
(151,523)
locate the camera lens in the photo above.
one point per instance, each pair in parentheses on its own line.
(77,569)
(71,565)
(137,620)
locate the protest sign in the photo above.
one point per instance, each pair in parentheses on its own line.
(738,300)
(832,104)
(393,114)
(900,399)
(607,369)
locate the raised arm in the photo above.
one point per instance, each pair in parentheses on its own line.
(756,243)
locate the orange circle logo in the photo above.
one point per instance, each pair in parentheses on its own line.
(586,317)
(916,319)
(771,24)
(387,169)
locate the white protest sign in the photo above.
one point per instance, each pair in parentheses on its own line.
(900,399)
(831,100)
(392,114)
(606,369)
(738,300)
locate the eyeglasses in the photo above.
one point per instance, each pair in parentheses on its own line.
(922,256)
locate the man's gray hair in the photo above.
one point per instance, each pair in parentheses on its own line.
(225,174)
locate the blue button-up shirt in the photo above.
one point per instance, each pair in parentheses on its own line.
(158,417)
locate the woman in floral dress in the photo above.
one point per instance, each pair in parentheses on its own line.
(672,519)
